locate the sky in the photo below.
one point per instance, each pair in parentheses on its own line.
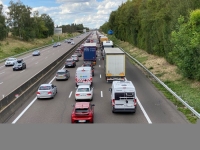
(90,13)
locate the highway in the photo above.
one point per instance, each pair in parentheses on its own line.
(152,107)
(10,80)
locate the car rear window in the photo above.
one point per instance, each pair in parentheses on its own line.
(81,110)
(127,95)
(83,90)
(10,59)
(69,60)
(61,72)
(44,88)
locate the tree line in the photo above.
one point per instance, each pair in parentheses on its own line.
(166,28)
(27,25)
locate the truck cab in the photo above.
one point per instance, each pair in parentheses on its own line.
(123,97)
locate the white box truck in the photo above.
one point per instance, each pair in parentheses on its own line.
(114,64)
(123,97)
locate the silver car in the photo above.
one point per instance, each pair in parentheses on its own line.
(36,53)
(62,74)
(46,91)
(10,62)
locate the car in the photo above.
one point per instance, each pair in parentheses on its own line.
(10,61)
(75,57)
(55,45)
(19,65)
(70,63)
(36,53)
(66,40)
(84,92)
(82,112)
(72,43)
(78,53)
(59,44)
(62,74)
(46,91)
(69,41)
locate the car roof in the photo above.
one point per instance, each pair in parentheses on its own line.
(82,86)
(45,84)
(62,70)
(70,59)
(82,104)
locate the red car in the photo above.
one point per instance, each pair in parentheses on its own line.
(83,112)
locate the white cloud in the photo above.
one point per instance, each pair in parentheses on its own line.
(90,13)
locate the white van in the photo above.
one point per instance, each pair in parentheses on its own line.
(83,76)
(123,97)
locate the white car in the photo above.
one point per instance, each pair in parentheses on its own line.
(75,57)
(84,92)
(59,44)
(72,43)
(10,62)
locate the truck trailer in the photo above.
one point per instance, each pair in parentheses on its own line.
(89,52)
(114,64)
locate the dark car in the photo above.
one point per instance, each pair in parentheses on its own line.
(70,63)
(19,65)
(55,44)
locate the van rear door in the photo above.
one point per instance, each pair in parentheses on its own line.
(83,77)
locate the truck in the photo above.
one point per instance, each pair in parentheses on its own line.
(89,52)
(114,64)
(123,96)
(103,38)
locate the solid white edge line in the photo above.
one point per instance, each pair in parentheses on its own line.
(18,117)
(24,111)
(144,112)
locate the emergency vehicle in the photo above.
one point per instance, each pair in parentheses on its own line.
(123,96)
(83,76)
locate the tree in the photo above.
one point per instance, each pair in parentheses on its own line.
(3,30)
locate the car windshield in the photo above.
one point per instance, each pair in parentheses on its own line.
(83,90)
(81,110)
(44,88)
(10,59)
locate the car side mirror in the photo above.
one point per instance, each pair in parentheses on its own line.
(73,105)
(110,89)
(93,105)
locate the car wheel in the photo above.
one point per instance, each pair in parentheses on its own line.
(113,109)
(5,65)
(13,69)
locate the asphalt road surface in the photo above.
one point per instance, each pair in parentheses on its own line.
(10,80)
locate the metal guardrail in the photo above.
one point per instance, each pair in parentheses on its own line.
(165,86)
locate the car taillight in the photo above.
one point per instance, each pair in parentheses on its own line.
(49,93)
(88,94)
(113,102)
(38,92)
(135,102)
(77,94)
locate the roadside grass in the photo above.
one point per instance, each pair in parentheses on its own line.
(12,46)
(188,90)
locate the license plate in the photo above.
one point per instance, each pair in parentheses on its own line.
(129,105)
(69,65)
(82,121)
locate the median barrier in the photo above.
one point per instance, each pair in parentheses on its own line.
(10,103)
